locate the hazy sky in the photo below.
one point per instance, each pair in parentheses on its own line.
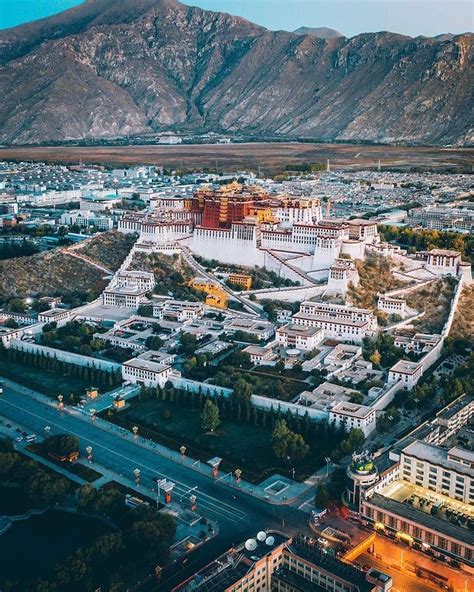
(410,17)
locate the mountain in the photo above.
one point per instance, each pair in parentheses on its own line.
(106,69)
(321,32)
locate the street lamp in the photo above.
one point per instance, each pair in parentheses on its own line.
(135,432)
(328,462)
(136,472)
(89,453)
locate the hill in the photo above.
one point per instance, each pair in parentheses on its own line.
(57,273)
(321,32)
(108,69)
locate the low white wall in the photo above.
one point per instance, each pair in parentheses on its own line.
(77,359)
(268,404)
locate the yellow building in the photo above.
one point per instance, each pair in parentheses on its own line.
(216,296)
(241,279)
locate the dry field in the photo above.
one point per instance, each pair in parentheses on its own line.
(271,157)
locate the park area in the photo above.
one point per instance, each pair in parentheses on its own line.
(241,444)
(45,382)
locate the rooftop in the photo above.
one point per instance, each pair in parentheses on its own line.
(437,456)
(407,511)
(405,367)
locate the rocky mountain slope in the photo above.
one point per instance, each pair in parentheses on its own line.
(322,32)
(105,69)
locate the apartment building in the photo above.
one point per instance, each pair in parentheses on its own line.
(261,355)
(54,315)
(449,472)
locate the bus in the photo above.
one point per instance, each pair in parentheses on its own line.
(31,438)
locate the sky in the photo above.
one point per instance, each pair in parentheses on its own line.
(350,17)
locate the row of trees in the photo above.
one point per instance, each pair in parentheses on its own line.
(426,240)
(40,360)
(42,487)
(327,438)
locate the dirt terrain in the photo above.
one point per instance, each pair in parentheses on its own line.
(271,157)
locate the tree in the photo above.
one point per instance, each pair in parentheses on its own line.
(288,444)
(61,444)
(210,416)
(17,305)
(321,497)
(154,342)
(376,358)
(188,343)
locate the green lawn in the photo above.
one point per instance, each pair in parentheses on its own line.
(240,445)
(42,381)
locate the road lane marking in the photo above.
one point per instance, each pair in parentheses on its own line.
(204,499)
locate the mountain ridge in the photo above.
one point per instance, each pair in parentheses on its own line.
(99,71)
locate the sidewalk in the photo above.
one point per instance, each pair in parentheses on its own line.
(276,490)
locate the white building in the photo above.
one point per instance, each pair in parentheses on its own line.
(148,369)
(261,355)
(339,322)
(449,472)
(392,305)
(86,219)
(299,336)
(408,372)
(351,415)
(144,280)
(124,297)
(54,315)
(178,310)
(342,273)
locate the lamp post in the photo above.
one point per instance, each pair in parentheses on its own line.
(328,462)
(136,472)
(89,453)
(135,432)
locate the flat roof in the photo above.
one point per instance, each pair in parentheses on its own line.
(455,406)
(150,366)
(405,367)
(435,455)
(432,522)
(352,409)
(303,330)
(126,291)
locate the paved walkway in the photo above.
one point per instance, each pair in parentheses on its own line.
(277,489)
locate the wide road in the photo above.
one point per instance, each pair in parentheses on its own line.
(239,515)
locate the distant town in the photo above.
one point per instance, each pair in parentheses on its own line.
(251,383)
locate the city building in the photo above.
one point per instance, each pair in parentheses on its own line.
(144,280)
(149,369)
(299,336)
(124,297)
(273,562)
(55,315)
(408,372)
(390,305)
(261,355)
(352,415)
